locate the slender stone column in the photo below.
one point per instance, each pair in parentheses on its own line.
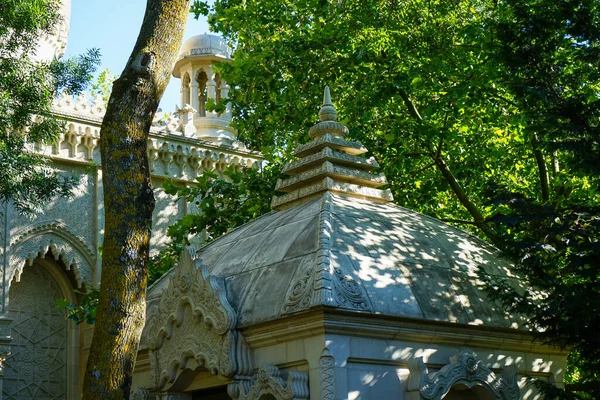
(194,87)
(211,94)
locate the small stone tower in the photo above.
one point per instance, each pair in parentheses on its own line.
(201,84)
(54,45)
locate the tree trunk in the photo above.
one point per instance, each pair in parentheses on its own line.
(464,199)
(129,200)
(441,165)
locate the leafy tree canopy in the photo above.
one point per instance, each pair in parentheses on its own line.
(27,88)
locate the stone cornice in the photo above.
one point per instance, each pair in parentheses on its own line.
(325,320)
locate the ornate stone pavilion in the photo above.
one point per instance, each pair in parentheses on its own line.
(44,259)
(337,294)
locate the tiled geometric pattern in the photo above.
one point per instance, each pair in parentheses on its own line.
(36,368)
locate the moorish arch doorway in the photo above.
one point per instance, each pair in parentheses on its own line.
(45,345)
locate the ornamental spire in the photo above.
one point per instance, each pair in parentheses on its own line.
(330,163)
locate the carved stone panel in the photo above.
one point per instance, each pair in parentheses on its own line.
(327,372)
(37,365)
(466,369)
(194,321)
(269,383)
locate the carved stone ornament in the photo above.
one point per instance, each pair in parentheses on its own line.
(327,372)
(38,239)
(324,283)
(194,320)
(269,381)
(464,369)
(141,393)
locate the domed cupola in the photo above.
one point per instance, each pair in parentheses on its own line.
(201,85)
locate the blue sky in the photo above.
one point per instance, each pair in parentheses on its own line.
(113,26)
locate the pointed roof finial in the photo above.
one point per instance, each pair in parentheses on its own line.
(328,117)
(328,111)
(330,163)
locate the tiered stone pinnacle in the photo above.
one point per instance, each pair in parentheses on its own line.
(330,163)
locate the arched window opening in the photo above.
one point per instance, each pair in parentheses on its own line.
(463,392)
(185,90)
(202,78)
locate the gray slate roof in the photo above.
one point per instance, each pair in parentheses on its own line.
(356,255)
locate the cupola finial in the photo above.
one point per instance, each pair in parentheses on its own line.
(328,117)
(328,111)
(330,163)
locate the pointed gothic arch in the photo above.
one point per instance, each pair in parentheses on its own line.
(465,371)
(194,325)
(218,86)
(185,90)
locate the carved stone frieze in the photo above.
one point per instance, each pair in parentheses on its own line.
(194,320)
(333,171)
(465,369)
(37,240)
(171,149)
(327,373)
(270,381)
(328,154)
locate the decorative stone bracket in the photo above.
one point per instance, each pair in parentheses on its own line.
(194,321)
(269,381)
(465,369)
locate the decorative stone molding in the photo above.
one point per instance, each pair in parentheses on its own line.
(327,373)
(142,393)
(464,369)
(52,236)
(194,320)
(269,381)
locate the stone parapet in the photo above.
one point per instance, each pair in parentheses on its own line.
(170,153)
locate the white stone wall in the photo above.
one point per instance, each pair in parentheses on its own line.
(357,367)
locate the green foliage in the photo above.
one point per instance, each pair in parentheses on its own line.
(199,8)
(85,311)
(412,79)
(221,203)
(103,85)
(27,89)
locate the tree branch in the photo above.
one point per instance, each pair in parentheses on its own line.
(410,105)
